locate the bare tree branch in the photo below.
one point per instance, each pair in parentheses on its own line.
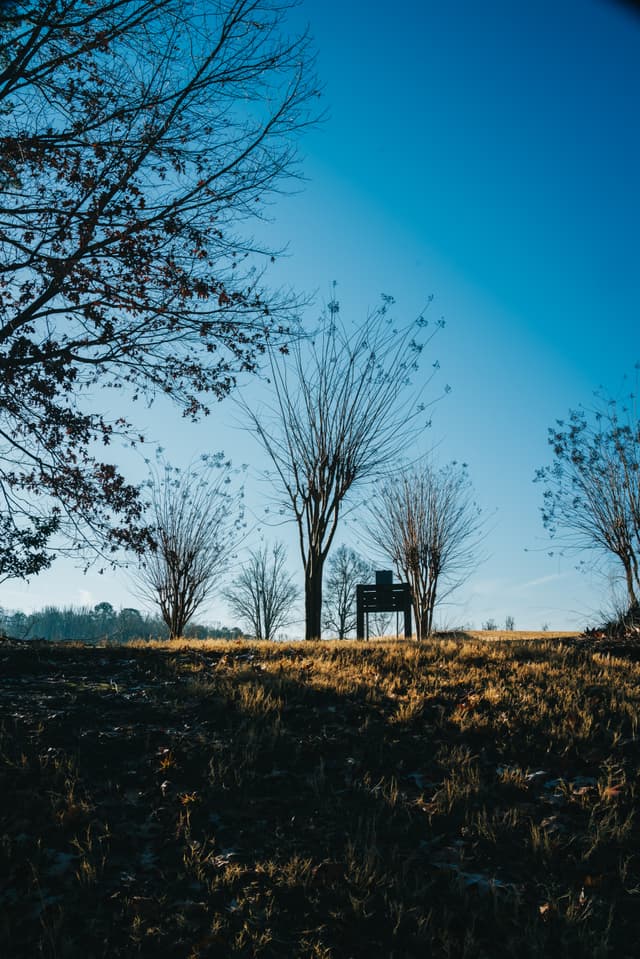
(346,569)
(196,519)
(343,411)
(263,594)
(592,490)
(137,139)
(426,522)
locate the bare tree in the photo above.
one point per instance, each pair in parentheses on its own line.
(345,570)
(426,522)
(342,412)
(264,594)
(137,137)
(382,624)
(592,490)
(196,518)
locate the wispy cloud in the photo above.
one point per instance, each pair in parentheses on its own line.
(542,581)
(487,587)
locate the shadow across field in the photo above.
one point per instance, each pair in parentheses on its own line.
(318,800)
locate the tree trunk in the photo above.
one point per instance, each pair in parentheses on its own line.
(431,605)
(423,625)
(313,598)
(173,613)
(633,599)
(424,616)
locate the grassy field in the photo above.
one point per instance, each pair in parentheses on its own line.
(516,634)
(463,798)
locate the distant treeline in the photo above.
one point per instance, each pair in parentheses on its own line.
(101,622)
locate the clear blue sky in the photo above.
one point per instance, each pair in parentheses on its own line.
(487,154)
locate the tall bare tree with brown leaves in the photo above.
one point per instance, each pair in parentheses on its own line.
(137,138)
(426,522)
(343,411)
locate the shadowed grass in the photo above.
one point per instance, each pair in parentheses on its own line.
(460,798)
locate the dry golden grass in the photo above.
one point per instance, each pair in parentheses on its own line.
(521,634)
(459,798)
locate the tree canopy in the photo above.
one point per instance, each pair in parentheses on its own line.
(136,138)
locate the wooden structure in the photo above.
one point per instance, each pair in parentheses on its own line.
(384,596)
